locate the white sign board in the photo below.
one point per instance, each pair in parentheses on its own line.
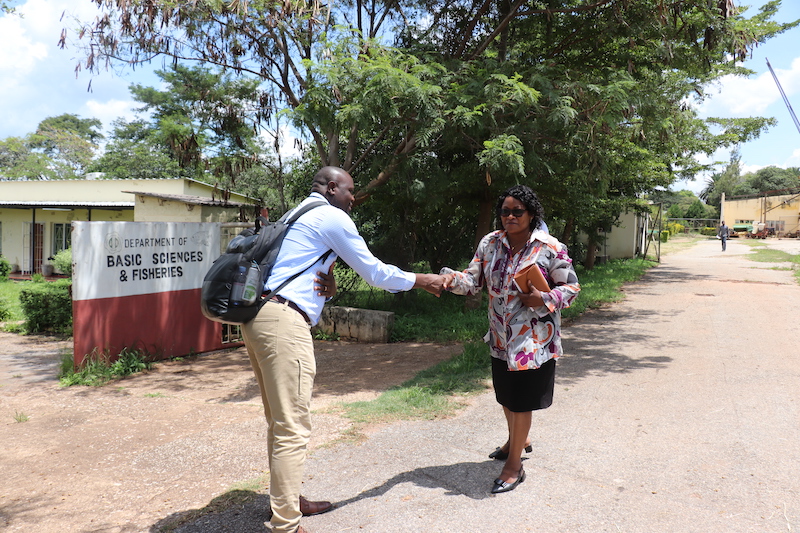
(112,259)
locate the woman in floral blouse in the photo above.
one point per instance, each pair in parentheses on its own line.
(524,329)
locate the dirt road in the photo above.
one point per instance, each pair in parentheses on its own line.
(121,457)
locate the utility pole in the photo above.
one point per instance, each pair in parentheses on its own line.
(785,99)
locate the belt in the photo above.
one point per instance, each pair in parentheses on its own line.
(291,305)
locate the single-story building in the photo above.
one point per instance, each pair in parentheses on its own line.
(35,216)
(625,239)
(781,212)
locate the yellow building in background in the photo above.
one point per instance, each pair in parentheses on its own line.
(782,213)
(35,216)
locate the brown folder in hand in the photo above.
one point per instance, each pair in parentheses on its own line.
(532,273)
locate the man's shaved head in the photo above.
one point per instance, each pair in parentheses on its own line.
(336,185)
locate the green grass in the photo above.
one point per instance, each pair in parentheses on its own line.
(769,255)
(602,284)
(430,394)
(98,370)
(421,317)
(9,295)
(762,254)
(436,392)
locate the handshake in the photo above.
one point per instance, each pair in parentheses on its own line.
(325,283)
(434,283)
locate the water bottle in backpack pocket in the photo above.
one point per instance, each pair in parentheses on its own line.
(253,285)
(246,285)
(237,286)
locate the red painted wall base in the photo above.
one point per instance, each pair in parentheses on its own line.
(166,324)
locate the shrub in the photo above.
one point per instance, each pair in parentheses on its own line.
(708,231)
(675,228)
(47,306)
(5,268)
(5,312)
(62,262)
(99,368)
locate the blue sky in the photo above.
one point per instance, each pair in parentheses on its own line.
(758,95)
(38,80)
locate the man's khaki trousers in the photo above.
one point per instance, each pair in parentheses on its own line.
(281,351)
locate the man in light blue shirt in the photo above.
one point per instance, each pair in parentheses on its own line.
(279,340)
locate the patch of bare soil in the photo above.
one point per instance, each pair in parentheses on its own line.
(122,457)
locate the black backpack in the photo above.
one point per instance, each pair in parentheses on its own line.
(232,288)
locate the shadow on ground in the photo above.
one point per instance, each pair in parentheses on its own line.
(248,511)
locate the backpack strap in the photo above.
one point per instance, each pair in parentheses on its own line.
(297,213)
(291,278)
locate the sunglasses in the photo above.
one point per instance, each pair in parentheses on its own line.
(516,212)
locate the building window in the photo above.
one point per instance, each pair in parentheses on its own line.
(231,333)
(62,237)
(779,225)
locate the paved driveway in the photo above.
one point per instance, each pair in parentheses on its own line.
(677,410)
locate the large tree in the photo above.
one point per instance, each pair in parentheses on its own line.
(133,151)
(770,180)
(18,161)
(200,123)
(69,141)
(62,147)
(206,120)
(585,101)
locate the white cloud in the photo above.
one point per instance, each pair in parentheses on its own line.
(736,96)
(20,52)
(38,80)
(747,169)
(794,159)
(111,110)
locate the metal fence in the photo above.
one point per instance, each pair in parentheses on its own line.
(695,224)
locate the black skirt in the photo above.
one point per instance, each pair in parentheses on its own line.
(524,390)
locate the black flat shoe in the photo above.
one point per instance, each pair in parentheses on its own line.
(500,455)
(504,486)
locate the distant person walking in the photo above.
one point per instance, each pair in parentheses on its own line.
(722,233)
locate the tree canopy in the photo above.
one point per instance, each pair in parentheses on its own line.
(731,182)
(435,106)
(62,147)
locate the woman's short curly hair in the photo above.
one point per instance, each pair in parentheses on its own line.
(528,198)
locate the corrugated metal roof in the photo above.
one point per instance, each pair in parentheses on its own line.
(76,180)
(189,199)
(53,204)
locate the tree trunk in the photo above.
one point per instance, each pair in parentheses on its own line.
(569,227)
(485,215)
(591,249)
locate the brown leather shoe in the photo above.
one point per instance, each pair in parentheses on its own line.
(311,508)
